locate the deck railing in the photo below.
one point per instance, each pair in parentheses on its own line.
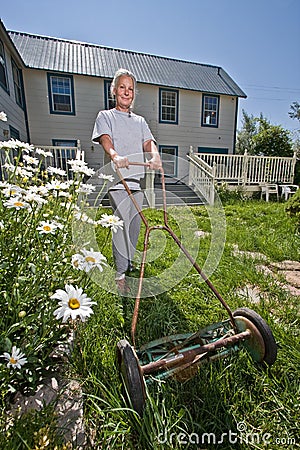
(248,171)
(60,156)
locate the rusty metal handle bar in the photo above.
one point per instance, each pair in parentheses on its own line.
(175,238)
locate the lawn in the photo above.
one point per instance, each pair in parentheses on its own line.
(229,403)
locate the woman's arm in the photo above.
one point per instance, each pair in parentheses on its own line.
(107,144)
(155,161)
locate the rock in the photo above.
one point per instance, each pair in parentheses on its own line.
(252,293)
(292,277)
(68,400)
(253,255)
(201,234)
(286,265)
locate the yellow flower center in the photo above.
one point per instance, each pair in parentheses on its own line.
(12,360)
(47,228)
(90,259)
(18,204)
(74,303)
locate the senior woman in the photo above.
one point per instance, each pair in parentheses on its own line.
(125,137)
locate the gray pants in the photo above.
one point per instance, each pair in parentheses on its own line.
(124,241)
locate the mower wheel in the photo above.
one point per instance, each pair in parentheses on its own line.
(261,345)
(131,375)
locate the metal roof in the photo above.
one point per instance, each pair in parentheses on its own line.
(60,55)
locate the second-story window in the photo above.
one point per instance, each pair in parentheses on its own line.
(61,94)
(210,111)
(17,77)
(3,73)
(168,106)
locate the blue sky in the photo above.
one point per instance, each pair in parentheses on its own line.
(255,41)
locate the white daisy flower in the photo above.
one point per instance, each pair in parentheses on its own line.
(12,190)
(64,194)
(4,184)
(84,218)
(56,171)
(46,227)
(16,359)
(86,188)
(57,185)
(88,260)
(32,197)
(42,152)
(106,177)
(42,190)
(73,303)
(31,160)
(111,221)
(17,203)
(15,143)
(79,166)
(9,167)
(3,116)
(77,261)
(24,172)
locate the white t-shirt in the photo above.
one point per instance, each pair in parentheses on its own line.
(128,133)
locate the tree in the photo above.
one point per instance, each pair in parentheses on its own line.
(272,140)
(294,112)
(259,137)
(245,135)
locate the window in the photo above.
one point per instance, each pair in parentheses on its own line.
(18,86)
(61,94)
(222,151)
(210,111)
(14,133)
(64,143)
(168,106)
(168,155)
(109,101)
(3,73)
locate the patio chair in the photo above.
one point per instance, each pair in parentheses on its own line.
(287,190)
(269,189)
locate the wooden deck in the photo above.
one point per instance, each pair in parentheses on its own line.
(246,172)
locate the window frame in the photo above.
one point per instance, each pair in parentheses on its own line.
(161,152)
(18,84)
(14,133)
(109,101)
(203,116)
(50,92)
(5,85)
(161,119)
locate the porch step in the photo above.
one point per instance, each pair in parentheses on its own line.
(177,193)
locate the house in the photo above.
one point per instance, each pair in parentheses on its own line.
(52,90)
(12,99)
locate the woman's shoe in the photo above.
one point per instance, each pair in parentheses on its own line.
(122,286)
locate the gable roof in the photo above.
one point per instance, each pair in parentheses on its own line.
(60,55)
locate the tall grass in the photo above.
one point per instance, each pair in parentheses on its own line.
(249,406)
(231,403)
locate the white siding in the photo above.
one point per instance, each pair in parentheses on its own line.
(188,132)
(89,99)
(15,114)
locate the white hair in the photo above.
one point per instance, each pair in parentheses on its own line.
(120,73)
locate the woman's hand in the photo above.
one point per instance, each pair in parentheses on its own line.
(155,162)
(120,162)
